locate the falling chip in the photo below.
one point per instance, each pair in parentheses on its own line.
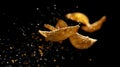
(81,42)
(60,24)
(78,17)
(94,26)
(59,34)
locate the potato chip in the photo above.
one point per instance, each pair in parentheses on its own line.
(61,23)
(60,34)
(81,42)
(78,17)
(94,26)
(50,27)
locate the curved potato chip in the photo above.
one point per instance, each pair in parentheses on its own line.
(60,34)
(95,26)
(81,42)
(61,23)
(50,27)
(78,17)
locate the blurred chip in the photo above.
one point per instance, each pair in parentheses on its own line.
(81,42)
(95,26)
(78,17)
(59,34)
(61,23)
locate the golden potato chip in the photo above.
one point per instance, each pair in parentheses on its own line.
(95,26)
(78,17)
(60,34)
(81,42)
(50,27)
(61,23)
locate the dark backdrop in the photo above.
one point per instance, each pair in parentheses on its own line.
(19,37)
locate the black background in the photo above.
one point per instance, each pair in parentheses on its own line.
(17,21)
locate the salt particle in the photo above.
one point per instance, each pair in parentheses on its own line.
(37,8)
